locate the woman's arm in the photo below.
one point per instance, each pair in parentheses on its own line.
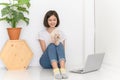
(43,45)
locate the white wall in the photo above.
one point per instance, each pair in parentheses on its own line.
(88,22)
(108,30)
(74,22)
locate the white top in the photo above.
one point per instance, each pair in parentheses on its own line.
(46,36)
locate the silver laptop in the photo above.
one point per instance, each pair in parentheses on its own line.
(93,63)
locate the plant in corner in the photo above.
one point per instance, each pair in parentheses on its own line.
(13,12)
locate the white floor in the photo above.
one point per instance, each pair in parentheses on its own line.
(35,73)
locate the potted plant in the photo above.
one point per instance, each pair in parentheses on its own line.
(13,12)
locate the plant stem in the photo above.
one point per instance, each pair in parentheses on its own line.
(13,23)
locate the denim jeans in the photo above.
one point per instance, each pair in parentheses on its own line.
(52,53)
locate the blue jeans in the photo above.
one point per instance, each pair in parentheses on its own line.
(52,53)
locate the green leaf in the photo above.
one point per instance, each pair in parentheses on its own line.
(5,10)
(17,16)
(23,9)
(23,1)
(1,19)
(15,5)
(28,4)
(26,20)
(5,4)
(8,19)
(5,19)
(20,16)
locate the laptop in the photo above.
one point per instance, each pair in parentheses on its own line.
(93,63)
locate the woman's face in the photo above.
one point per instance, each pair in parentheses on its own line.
(52,21)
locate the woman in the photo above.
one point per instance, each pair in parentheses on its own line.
(52,42)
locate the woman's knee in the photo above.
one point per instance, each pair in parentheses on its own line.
(52,45)
(60,45)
